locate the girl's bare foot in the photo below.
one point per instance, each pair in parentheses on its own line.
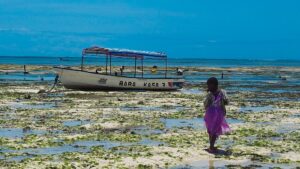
(212,149)
(215,148)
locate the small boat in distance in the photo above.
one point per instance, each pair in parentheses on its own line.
(107,80)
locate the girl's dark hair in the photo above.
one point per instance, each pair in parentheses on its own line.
(212,80)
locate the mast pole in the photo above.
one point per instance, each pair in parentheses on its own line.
(135,66)
(106,64)
(142,67)
(82,61)
(110,64)
(166,71)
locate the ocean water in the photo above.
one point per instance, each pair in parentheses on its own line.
(173,62)
(246,80)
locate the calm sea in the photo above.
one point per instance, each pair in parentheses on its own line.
(187,62)
(245,79)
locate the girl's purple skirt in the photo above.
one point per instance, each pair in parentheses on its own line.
(215,121)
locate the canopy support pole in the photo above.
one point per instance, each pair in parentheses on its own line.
(166,71)
(110,64)
(135,66)
(106,64)
(142,67)
(82,62)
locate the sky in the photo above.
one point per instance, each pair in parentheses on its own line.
(216,29)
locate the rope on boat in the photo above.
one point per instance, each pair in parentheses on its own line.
(53,86)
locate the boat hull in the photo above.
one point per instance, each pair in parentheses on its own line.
(82,80)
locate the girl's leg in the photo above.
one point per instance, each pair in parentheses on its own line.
(210,136)
(212,141)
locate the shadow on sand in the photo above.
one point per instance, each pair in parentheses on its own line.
(219,152)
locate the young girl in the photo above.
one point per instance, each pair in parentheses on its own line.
(214,118)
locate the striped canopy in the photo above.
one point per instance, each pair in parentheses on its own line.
(124,53)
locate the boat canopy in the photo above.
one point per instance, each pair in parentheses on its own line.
(124,53)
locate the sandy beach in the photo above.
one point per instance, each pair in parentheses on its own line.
(147,129)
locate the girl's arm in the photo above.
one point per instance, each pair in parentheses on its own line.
(225,98)
(208,100)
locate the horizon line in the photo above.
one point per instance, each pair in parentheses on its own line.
(188,58)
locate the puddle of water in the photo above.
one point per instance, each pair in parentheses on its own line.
(48,150)
(16,105)
(74,123)
(202,164)
(111,144)
(278,91)
(142,130)
(269,99)
(191,91)
(176,108)
(79,146)
(55,150)
(19,158)
(233,164)
(18,133)
(141,108)
(195,123)
(153,108)
(104,144)
(281,91)
(149,142)
(287,127)
(240,89)
(55,94)
(256,109)
(33,76)
(297,115)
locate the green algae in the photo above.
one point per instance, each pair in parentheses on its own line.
(253,139)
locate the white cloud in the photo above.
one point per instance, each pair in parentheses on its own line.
(14,30)
(212,41)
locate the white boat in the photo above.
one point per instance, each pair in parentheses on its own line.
(86,80)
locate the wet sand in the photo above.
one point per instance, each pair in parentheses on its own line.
(80,129)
